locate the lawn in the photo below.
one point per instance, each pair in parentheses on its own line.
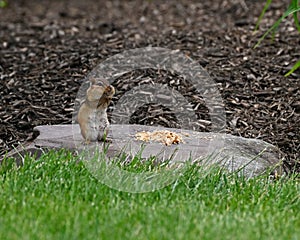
(56,197)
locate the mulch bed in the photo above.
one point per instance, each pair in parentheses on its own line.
(47,48)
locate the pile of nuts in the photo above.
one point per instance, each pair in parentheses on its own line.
(166,137)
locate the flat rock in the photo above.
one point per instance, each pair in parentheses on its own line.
(251,157)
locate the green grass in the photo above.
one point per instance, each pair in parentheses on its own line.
(3,3)
(293,9)
(55,197)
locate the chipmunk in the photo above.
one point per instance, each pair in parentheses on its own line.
(92,116)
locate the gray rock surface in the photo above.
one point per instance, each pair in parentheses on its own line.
(250,157)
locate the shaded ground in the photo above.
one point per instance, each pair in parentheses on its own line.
(48,47)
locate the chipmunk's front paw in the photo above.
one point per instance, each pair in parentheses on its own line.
(86,142)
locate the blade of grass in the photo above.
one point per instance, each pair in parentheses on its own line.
(295,4)
(294,68)
(290,10)
(262,14)
(3,4)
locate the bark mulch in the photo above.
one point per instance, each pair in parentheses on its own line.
(48,47)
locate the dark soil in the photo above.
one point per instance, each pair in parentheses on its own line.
(47,48)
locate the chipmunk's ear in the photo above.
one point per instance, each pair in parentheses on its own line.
(93,80)
(99,81)
(105,82)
